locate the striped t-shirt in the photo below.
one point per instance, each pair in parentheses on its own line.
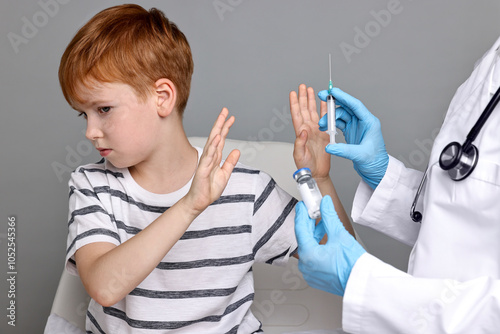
(205,283)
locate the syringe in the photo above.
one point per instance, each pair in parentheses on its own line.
(330,103)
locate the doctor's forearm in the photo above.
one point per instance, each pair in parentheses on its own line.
(373,302)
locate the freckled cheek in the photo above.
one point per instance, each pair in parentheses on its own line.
(138,140)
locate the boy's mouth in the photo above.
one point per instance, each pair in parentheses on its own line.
(104,151)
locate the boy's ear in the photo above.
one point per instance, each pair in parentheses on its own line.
(166,96)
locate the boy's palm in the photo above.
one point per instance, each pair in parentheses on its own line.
(211,178)
(309,149)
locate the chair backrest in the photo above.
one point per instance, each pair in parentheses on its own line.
(283,301)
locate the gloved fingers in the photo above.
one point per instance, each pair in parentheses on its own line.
(332,223)
(349,151)
(312,280)
(304,227)
(319,231)
(323,94)
(335,229)
(345,109)
(351,103)
(340,124)
(343,114)
(342,117)
(339,104)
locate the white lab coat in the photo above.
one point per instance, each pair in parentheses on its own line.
(453,280)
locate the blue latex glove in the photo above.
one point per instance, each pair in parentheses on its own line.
(365,145)
(326,267)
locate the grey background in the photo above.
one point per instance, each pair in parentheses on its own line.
(248,54)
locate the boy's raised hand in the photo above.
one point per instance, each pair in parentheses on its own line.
(211,178)
(310,142)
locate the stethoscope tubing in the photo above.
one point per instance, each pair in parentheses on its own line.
(471,136)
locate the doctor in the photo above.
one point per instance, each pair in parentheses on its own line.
(453,280)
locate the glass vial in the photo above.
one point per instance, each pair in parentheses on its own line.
(309,191)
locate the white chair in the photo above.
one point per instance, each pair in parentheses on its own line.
(283,301)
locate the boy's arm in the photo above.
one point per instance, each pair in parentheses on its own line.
(110,272)
(309,150)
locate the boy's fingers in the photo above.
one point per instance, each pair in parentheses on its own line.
(299,147)
(311,102)
(303,103)
(231,161)
(225,130)
(227,125)
(323,108)
(219,123)
(211,148)
(295,112)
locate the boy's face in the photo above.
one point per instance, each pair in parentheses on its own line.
(121,126)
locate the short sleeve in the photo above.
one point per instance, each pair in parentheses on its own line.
(88,219)
(273,222)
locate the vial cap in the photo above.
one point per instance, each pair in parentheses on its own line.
(301,172)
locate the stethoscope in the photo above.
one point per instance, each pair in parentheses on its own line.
(458,160)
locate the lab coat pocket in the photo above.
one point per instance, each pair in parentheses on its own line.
(480,193)
(476,227)
(461,223)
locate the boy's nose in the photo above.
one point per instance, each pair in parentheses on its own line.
(93,130)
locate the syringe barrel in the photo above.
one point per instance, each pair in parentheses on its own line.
(332,129)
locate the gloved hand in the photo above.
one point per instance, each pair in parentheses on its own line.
(326,267)
(364,142)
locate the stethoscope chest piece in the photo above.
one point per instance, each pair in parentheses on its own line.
(458,161)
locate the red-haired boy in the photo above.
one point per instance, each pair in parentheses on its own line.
(162,236)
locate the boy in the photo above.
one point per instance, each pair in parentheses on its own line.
(162,236)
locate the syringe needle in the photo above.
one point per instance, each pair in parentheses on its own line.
(330,85)
(330,103)
(330,64)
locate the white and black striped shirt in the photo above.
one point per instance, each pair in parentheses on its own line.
(205,283)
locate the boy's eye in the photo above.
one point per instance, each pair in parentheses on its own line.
(80,114)
(104,109)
